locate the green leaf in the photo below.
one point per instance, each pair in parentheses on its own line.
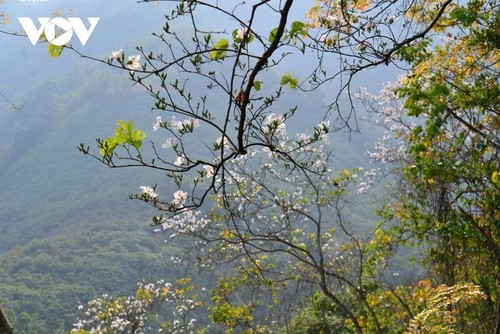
(220,50)
(464,15)
(55,50)
(285,79)
(291,81)
(272,34)
(124,134)
(108,146)
(257,85)
(297,28)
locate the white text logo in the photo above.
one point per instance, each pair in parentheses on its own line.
(67,25)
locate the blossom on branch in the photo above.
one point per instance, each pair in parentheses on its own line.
(180,160)
(117,54)
(133,63)
(242,33)
(157,123)
(209,170)
(149,191)
(170,142)
(179,197)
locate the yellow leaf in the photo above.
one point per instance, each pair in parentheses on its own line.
(495,177)
(54,50)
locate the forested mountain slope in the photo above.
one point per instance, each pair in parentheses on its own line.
(67,228)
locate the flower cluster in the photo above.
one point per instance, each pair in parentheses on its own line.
(391,149)
(133,314)
(306,152)
(185,126)
(274,124)
(185,221)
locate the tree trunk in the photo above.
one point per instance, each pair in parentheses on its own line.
(5,326)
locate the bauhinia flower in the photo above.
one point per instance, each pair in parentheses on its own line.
(333,20)
(325,126)
(302,137)
(221,142)
(274,124)
(157,123)
(180,160)
(149,191)
(133,63)
(169,143)
(242,33)
(209,170)
(117,54)
(175,123)
(325,138)
(188,125)
(180,197)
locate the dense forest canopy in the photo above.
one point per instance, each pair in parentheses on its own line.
(246,99)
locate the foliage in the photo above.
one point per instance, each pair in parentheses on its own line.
(45,277)
(443,308)
(447,159)
(125,135)
(422,308)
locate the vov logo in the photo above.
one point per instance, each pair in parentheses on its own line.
(67,25)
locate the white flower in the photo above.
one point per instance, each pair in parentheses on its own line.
(175,123)
(325,139)
(180,160)
(209,170)
(119,324)
(180,196)
(302,137)
(169,143)
(157,123)
(221,142)
(133,63)
(325,126)
(332,18)
(274,123)
(149,191)
(242,33)
(362,94)
(188,125)
(117,54)
(274,118)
